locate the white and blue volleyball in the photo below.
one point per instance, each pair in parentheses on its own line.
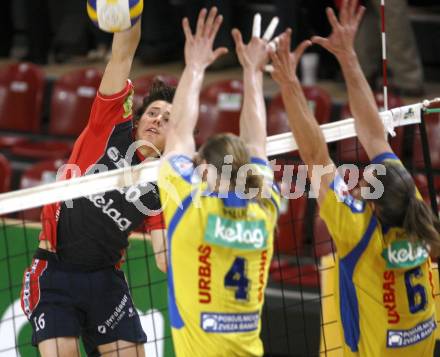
(114,15)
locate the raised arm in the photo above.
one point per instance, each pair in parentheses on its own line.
(198,56)
(369,127)
(311,142)
(253,57)
(118,68)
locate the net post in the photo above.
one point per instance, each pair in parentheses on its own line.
(430,179)
(428,164)
(428,168)
(384,54)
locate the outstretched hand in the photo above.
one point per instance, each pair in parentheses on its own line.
(255,54)
(341,40)
(199,51)
(285,63)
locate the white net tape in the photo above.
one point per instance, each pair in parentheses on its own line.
(147,172)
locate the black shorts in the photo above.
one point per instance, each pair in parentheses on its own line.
(61,301)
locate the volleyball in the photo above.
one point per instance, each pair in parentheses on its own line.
(114,15)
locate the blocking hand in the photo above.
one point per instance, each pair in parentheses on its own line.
(255,54)
(199,51)
(284,62)
(341,40)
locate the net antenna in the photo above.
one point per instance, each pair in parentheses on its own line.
(384,54)
(147,172)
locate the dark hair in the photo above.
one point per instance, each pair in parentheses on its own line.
(399,206)
(158,91)
(214,152)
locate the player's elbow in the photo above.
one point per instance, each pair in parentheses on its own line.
(162,267)
(161,262)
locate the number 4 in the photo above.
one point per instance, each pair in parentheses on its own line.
(236,278)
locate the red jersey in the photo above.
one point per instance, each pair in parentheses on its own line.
(93,230)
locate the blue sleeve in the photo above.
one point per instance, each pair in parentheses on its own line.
(379,159)
(183,166)
(340,190)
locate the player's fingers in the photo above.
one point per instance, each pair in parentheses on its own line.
(219,52)
(353,7)
(201,22)
(343,13)
(268,34)
(216,26)
(272,46)
(321,41)
(284,41)
(256,26)
(332,19)
(238,39)
(276,63)
(187,29)
(273,57)
(301,48)
(275,43)
(284,52)
(359,16)
(209,21)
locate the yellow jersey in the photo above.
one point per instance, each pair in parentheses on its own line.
(219,252)
(384,288)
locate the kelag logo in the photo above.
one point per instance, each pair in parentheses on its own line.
(238,234)
(404,254)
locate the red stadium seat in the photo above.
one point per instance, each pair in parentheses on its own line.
(432,123)
(277,121)
(351,151)
(40,173)
(289,241)
(319,102)
(142,86)
(72,100)
(5,174)
(308,274)
(220,107)
(10,140)
(44,150)
(291,226)
(21,96)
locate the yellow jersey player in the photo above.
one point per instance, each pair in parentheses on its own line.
(220,219)
(384,287)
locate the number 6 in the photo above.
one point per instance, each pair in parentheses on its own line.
(415,290)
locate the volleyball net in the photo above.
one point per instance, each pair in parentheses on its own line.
(298,317)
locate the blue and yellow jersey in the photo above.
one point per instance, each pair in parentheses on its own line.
(383,283)
(219,255)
